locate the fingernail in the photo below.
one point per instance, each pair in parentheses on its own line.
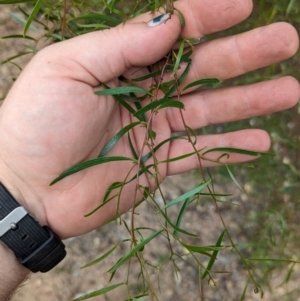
(159,20)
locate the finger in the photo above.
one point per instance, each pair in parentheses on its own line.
(201,18)
(235,55)
(231,56)
(104,55)
(255,140)
(206,16)
(236,103)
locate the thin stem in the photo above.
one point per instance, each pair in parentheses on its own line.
(209,189)
(64,19)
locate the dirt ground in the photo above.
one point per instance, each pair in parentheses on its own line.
(68,281)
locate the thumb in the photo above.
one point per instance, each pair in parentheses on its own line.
(109,53)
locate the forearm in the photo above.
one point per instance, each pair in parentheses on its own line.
(12,273)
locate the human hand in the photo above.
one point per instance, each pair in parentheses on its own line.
(52,120)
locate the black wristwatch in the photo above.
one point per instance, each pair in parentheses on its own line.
(36,247)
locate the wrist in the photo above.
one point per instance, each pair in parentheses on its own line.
(22,193)
(36,247)
(12,273)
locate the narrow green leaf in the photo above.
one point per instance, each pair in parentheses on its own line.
(244,291)
(166,86)
(158,146)
(137,298)
(21,20)
(18,36)
(202,82)
(181,212)
(142,238)
(149,75)
(193,41)
(214,255)
(34,49)
(290,7)
(181,17)
(159,104)
(180,80)
(138,106)
(180,157)
(32,15)
(97,16)
(234,179)
(215,194)
(289,274)
(15,56)
(109,5)
(125,104)
(170,223)
(93,26)
(55,36)
(126,226)
(107,200)
(274,259)
(87,164)
(236,150)
(117,137)
(184,74)
(141,171)
(116,185)
(13,63)
(178,57)
(112,276)
(134,154)
(105,255)
(186,195)
(192,133)
(151,134)
(202,249)
(122,90)
(133,98)
(99,292)
(172,104)
(186,56)
(37,21)
(134,250)
(14,1)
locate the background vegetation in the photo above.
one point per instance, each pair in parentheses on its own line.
(272,183)
(269,212)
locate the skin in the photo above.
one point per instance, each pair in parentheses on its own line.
(51,119)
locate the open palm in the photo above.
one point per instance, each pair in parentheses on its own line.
(52,120)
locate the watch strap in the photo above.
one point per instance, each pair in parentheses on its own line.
(36,247)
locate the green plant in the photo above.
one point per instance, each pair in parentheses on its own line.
(77,21)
